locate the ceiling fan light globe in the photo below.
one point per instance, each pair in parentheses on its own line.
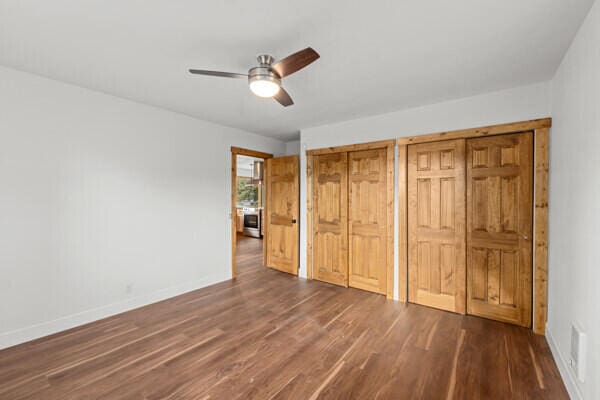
(264,88)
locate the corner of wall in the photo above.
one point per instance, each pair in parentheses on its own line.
(563,367)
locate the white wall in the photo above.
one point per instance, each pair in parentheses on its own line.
(292,147)
(574,205)
(524,103)
(98,193)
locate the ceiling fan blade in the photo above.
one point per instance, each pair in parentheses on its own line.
(295,62)
(218,73)
(283,98)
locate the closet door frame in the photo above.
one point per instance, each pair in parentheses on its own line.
(389,145)
(541,129)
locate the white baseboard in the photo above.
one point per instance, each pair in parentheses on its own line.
(566,373)
(23,335)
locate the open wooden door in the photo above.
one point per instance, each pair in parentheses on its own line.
(436,225)
(282,213)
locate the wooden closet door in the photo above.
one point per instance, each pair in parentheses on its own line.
(282,209)
(436,225)
(499,225)
(368,220)
(330,218)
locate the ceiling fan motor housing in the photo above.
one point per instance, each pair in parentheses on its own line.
(265,60)
(264,72)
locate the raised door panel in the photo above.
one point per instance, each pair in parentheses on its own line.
(436,225)
(282,213)
(330,219)
(368,220)
(499,226)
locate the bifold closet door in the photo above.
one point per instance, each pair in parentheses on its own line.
(330,218)
(368,219)
(499,227)
(436,225)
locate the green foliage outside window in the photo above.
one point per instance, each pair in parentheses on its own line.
(247,193)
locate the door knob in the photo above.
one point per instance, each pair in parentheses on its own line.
(293,221)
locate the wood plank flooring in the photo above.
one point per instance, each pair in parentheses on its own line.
(269,335)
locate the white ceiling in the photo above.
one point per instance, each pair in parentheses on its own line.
(376,56)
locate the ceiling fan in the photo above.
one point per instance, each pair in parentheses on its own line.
(265,80)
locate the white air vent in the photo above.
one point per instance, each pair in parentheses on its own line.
(578,349)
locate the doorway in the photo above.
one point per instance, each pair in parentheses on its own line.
(247,208)
(265,201)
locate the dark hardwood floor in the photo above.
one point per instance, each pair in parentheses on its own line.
(268,335)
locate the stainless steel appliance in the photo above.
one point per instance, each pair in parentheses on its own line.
(252,221)
(258,171)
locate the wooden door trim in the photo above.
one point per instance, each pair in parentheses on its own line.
(352,147)
(403,223)
(540,128)
(250,153)
(309,216)
(235,151)
(540,229)
(390,149)
(389,145)
(513,127)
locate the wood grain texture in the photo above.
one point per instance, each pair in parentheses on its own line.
(402,224)
(281,220)
(295,62)
(233,212)
(330,208)
(478,132)
(390,157)
(266,210)
(352,147)
(436,224)
(270,335)
(239,221)
(499,227)
(368,220)
(250,153)
(309,217)
(330,218)
(540,235)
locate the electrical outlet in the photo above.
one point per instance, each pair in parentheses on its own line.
(578,351)
(129,288)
